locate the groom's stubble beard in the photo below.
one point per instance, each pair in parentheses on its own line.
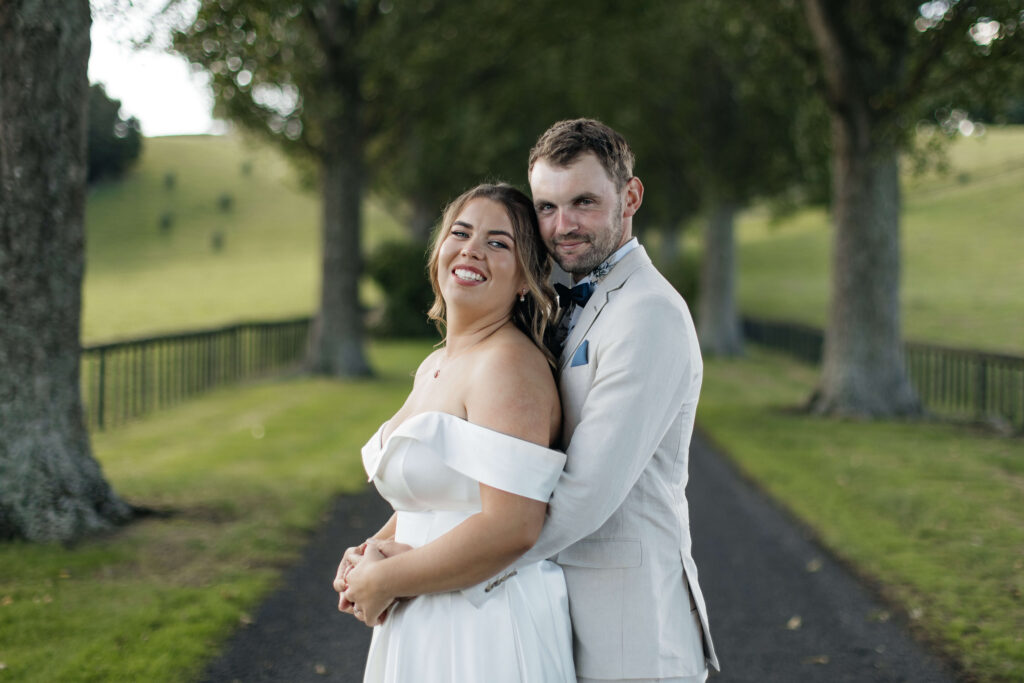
(603,243)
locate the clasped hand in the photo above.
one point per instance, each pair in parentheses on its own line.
(356,581)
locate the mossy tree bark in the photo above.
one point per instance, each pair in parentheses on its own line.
(51,487)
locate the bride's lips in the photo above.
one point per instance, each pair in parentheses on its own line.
(468,275)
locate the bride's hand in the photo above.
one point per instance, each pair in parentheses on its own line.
(351,558)
(369,601)
(390,548)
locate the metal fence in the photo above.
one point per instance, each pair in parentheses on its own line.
(126,379)
(953,382)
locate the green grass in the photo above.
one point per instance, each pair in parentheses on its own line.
(141,280)
(963,246)
(933,513)
(249,471)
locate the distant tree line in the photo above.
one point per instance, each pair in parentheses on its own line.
(114,142)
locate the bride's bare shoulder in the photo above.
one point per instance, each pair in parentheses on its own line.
(512,389)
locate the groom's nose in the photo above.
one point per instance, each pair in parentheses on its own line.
(564,222)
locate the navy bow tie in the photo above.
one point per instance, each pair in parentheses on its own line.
(579,295)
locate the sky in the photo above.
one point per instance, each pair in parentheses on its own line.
(157,88)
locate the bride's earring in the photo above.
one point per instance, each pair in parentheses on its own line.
(522,297)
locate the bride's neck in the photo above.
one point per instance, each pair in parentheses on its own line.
(462,334)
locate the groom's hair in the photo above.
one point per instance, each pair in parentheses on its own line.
(564,142)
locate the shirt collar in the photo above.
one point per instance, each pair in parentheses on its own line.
(601,272)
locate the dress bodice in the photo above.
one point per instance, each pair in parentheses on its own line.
(434,462)
(430,470)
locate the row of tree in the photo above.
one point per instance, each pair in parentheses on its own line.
(724,105)
(810,100)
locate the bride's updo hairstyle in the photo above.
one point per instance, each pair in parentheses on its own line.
(533,315)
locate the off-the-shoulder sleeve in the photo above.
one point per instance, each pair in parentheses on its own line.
(498,460)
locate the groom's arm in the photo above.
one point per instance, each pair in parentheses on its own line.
(644,377)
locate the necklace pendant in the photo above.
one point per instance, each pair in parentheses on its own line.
(437,372)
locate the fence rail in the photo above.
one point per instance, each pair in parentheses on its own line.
(952,382)
(127,379)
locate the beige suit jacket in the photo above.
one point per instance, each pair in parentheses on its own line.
(618,521)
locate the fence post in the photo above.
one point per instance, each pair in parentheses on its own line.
(102,389)
(980,388)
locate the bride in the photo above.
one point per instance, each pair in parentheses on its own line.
(466,465)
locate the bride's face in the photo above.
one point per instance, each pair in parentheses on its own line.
(477,264)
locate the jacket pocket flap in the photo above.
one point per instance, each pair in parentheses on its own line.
(603,554)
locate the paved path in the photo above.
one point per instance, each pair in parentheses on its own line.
(753,563)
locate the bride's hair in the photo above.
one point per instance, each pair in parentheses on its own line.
(533,315)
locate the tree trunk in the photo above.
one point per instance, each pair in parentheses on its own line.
(863,370)
(336,347)
(425,216)
(718,320)
(337,344)
(51,487)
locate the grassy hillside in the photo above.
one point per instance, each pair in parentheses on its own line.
(963,245)
(963,236)
(142,278)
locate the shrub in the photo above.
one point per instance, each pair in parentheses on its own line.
(166,222)
(400,270)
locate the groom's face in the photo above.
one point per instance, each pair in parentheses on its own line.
(580,212)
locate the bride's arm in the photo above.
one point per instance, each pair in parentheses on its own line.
(354,554)
(513,396)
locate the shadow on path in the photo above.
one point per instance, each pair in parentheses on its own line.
(761,575)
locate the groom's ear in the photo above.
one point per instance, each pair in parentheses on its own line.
(634,197)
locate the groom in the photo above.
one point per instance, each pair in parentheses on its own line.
(629,377)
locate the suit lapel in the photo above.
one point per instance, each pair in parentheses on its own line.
(629,264)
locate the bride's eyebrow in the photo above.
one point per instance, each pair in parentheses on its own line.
(502,232)
(463,224)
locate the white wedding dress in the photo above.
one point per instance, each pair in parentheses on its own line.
(430,469)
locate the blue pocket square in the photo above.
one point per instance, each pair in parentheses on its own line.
(580,357)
